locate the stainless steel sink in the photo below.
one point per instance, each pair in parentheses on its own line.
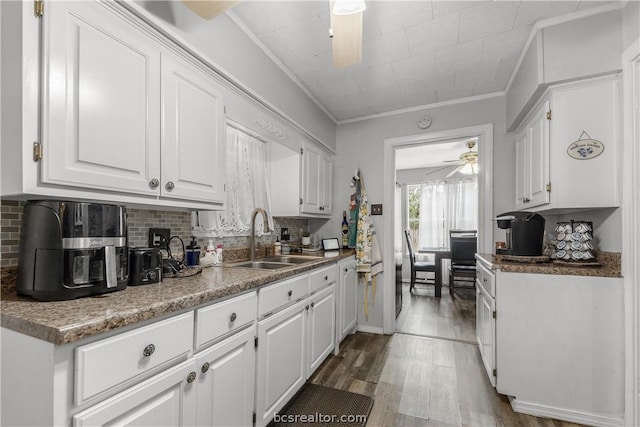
(292,259)
(266,265)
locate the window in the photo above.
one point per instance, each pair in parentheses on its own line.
(247,189)
(435,207)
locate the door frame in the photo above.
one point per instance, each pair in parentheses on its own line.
(631,228)
(485,200)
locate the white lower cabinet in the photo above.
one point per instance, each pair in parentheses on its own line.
(347,316)
(282,360)
(486,321)
(322,327)
(168,399)
(226,378)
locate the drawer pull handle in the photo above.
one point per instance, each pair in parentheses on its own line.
(205,367)
(313,304)
(290,292)
(191,377)
(233,317)
(484,279)
(149,350)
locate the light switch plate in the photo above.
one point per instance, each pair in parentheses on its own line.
(376,209)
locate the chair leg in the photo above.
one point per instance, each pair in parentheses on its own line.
(413,280)
(451,284)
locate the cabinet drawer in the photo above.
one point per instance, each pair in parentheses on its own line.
(218,319)
(487,279)
(280,294)
(114,360)
(321,278)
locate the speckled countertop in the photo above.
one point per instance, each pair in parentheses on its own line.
(610,266)
(63,322)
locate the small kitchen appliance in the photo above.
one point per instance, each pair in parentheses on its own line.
(524,233)
(72,249)
(145,266)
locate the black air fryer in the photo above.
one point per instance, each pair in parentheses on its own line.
(71,249)
(525,233)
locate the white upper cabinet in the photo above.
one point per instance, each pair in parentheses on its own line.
(192,133)
(101,104)
(124,113)
(301,182)
(317,181)
(532,161)
(567,150)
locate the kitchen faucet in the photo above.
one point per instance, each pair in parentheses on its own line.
(252,237)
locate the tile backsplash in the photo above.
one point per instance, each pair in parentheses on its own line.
(140,220)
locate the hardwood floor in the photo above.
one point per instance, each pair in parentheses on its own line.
(429,373)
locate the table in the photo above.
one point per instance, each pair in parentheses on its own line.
(440,254)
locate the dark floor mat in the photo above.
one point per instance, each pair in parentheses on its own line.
(317,405)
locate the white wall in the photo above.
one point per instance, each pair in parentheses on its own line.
(630,24)
(232,51)
(360,145)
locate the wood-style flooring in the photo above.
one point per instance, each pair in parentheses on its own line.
(429,373)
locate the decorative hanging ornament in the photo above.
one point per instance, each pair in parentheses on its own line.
(585,147)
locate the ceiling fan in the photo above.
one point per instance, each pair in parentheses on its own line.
(466,164)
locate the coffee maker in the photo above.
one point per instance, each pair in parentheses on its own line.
(524,232)
(72,249)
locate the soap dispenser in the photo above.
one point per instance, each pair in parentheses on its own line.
(193,253)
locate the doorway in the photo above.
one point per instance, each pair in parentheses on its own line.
(484,135)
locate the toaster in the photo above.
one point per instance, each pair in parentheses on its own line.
(145,266)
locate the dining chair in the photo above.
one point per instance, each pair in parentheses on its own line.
(419,266)
(463,245)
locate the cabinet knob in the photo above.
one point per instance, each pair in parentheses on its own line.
(233,317)
(307,307)
(290,292)
(313,304)
(205,367)
(321,208)
(169,186)
(326,277)
(484,280)
(191,377)
(154,183)
(149,350)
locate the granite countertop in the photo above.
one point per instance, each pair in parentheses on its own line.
(610,266)
(62,322)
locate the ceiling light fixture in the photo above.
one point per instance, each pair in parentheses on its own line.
(348,7)
(346,33)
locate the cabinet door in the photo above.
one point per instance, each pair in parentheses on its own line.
(522,169)
(312,197)
(348,289)
(322,327)
(326,185)
(168,399)
(193,163)
(486,330)
(281,366)
(101,100)
(538,154)
(226,381)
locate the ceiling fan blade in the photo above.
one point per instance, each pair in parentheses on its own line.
(453,172)
(209,9)
(451,161)
(347,38)
(437,170)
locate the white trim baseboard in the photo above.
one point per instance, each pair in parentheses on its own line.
(370,329)
(564,414)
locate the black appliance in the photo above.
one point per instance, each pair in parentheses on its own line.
(145,266)
(525,233)
(72,249)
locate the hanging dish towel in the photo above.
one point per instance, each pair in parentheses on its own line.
(368,255)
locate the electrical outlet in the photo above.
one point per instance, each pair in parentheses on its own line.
(159,237)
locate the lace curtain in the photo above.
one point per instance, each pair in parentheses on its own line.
(444,206)
(247,189)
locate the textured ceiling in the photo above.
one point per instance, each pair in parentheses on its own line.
(414,52)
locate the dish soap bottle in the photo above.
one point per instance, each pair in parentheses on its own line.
(219,253)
